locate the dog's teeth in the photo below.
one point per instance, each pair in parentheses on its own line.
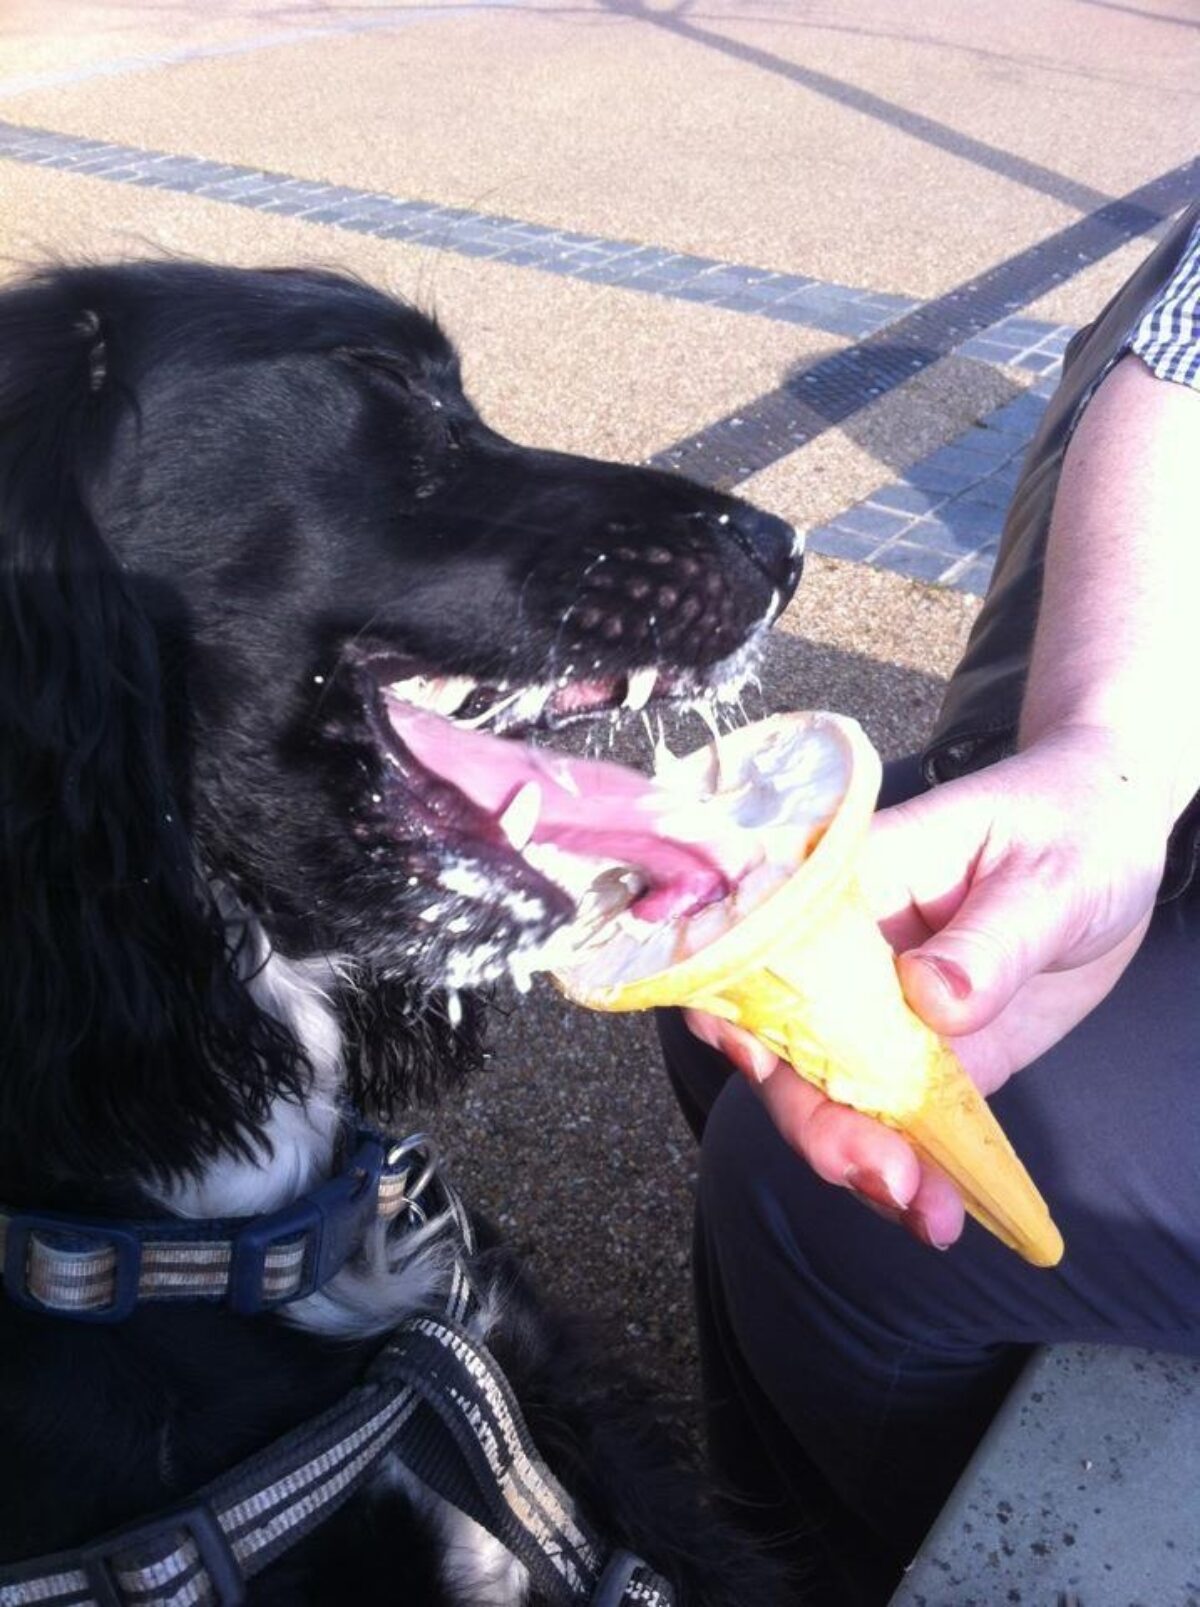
(641,688)
(519,819)
(449,693)
(531,703)
(414,690)
(441,694)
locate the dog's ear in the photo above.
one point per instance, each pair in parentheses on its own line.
(129,1046)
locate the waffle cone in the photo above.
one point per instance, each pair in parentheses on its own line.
(809,973)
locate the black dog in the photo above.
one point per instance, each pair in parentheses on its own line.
(270,590)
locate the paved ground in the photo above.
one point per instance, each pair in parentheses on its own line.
(826,252)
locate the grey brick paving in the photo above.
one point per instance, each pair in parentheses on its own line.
(835,388)
(940,521)
(652,270)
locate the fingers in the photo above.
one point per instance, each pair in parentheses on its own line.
(973,915)
(1042,1013)
(850,1150)
(1002,934)
(1038,864)
(841,1145)
(936,1215)
(751,1057)
(960,906)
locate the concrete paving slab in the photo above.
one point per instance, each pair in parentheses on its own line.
(42,46)
(1083,1491)
(547,115)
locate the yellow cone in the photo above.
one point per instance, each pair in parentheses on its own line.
(798,960)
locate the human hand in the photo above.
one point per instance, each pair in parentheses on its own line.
(1014,898)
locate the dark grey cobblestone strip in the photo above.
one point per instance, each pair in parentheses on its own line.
(758,292)
(942,520)
(835,388)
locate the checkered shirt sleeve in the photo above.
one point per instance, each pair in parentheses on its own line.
(1168,337)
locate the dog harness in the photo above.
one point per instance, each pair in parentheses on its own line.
(433,1401)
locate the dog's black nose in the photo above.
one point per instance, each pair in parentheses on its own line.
(770,543)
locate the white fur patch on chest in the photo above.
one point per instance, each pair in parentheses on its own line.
(475,1568)
(395,1275)
(301,1135)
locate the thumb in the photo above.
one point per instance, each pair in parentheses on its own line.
(1002,934)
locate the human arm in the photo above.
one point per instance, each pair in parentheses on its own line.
(1016,896)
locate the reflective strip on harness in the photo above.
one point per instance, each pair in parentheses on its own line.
(435,1400)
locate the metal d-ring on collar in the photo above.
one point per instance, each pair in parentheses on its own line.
(98,1269)
(394,1184)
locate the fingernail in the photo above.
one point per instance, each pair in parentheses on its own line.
(760,1062)
(874,1186)
(949,973)
(925,1233)
(701,1027)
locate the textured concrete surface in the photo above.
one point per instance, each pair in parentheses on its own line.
(891,147)
(1083,1491)
(813,140)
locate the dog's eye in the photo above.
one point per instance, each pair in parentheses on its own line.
(393,368)
(377,362)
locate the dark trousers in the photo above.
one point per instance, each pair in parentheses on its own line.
(849,1371)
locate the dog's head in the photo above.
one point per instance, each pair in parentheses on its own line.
(277,610)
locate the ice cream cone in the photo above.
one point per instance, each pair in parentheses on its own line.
(795,957)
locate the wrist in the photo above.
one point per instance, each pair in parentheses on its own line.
(1152,774)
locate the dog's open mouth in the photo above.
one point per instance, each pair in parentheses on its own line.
(529,833)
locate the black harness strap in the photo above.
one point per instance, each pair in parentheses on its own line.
(471,1446)
(459,1431)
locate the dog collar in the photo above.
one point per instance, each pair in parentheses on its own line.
(96,1269)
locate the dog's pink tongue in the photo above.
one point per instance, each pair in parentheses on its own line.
(587,807)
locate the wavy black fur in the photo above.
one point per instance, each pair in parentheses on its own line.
(227,499)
